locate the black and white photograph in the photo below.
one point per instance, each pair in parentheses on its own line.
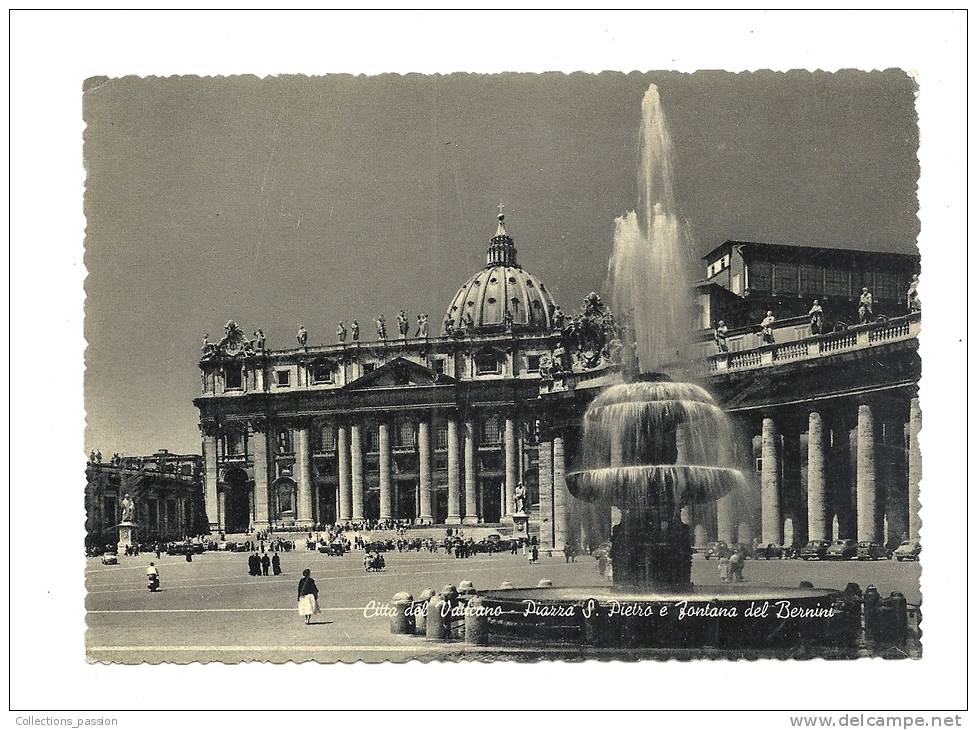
(509,369)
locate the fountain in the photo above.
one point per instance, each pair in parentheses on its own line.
(654,448)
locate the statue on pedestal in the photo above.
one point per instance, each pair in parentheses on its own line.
(403,326)
(341,332)
(421,326)
(354,330)
(520,498)
(128,508)
(381,328)
(302,336)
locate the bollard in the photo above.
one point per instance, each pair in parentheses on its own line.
(402,619)
(450,594)
(466,587)
(544,583)
(591,618)
(476,623)
(420,619)
(870,612)
(506,584)
(435,627)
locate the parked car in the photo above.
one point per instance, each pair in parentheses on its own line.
(770,552)
(716,550)
(842,550)
(333,548)
(814,550)
(869,550)
(110,559)
(907,550)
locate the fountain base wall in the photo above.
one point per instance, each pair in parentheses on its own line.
(721,617)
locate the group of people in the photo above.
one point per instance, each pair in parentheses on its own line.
(731,566)
(816,317)
(259,564)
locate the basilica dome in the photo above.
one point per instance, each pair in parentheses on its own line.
(500,293)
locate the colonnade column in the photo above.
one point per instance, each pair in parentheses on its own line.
(545,493)
(726,505)
(259,451)
(345,511)
(386,477)
(866,498)
(771,521)
(212,501)
(303,477)
(560,495)
(511,467)
(682,456)
(817,516)
(915,467)
(424,509)
(356,470)
(454,466)
(471,476)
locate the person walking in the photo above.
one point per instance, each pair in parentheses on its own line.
(724,568)
(308,596)
(254,564)
(276,564)
(265,564)
(736,567)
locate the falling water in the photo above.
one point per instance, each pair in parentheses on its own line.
(654,447)
(650,269)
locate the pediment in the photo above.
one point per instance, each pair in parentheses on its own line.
(400,373)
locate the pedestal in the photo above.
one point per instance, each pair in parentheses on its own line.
(127,536)
(520,521)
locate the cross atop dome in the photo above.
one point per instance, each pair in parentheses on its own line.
(502,249)
(500,231)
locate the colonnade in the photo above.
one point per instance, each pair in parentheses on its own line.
(845,470)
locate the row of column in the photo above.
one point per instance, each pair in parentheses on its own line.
(780,465)
(462,473)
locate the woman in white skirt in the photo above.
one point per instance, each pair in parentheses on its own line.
(308,596)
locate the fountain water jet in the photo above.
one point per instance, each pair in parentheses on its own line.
(652,447)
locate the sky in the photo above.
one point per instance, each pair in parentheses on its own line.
(291,199)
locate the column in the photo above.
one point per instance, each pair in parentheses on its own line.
(791,508)
(356,471)
(303,477)
(726,505)
(817,515)
(424,507)
(545,494)
(511,468)
(866,494)
(454,467)
(771,522)
(259,451)
(345,511)
(222,510)
(682,456)
(915,467)
(386,477)
(560,495)
(211,500)
(471,475)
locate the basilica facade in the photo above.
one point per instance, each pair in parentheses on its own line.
(431,427)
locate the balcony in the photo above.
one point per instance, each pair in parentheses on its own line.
(861,337)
